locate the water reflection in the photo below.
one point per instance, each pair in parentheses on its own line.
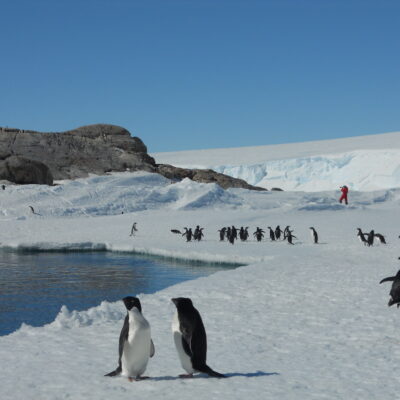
(33,286)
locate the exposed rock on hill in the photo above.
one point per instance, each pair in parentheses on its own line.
(204,176)
(36,157)
(74,154)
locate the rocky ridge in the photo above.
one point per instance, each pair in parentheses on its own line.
(34,157)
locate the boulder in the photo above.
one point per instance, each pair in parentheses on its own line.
(23,171)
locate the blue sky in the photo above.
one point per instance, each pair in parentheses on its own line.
(202,74)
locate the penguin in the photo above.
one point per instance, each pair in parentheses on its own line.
(314,235)
(381,238)
(370,239)
(188,233)
(135,343)
(271,234)
(176,231)
(190,339)
(361,236)
(290,237)
(234,232)
(395,290)
(278,232)
(222,234)
(134,229)
(286,232)
(259,234)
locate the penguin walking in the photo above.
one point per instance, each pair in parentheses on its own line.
(314,235)
(278,232)
(190,339)
(135,344)
(134,229)
(259,234)
(395,290)
(370,239)
(286,232)
(188,234)
(290,237)
(271,234)
(198,233)
(222,234)
(176,231)
(361,236)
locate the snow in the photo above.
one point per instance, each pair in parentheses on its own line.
(363,163)
(297,322)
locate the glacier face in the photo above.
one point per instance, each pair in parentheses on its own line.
(363,170)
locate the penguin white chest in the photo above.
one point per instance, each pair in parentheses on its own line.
(136,351)
(183,357)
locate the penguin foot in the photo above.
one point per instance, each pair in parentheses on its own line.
(186,376)
(138,378)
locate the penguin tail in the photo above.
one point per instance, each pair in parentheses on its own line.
(115,372)
(207,370)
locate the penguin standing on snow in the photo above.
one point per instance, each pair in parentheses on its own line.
(290,237)
(278,232)
(361,236)
(190,339)
(135,344)
(370,240)
(314,235)
(395,290)
(271,234)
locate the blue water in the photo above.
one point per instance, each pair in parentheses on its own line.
(34,286)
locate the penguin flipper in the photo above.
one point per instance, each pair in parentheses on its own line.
(388,279)
(152,348)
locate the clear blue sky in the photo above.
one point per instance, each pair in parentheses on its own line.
(202,73)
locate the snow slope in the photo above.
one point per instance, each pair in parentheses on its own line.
(362,163)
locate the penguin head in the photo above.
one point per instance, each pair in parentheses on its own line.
(182,303)
(131,302)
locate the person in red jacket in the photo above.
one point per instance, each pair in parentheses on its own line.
(344,190)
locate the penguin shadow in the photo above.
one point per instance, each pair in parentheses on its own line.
(250,374)
(227,375)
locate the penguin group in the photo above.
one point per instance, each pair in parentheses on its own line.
(230,233)
(367,239)
(136,346)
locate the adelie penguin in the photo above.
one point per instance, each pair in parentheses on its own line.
(135,344)
(314,235)
(271,234)
(190,339)
(395,290)
(361,236)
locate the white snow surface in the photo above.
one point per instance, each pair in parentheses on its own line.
(362,163)
(297,322)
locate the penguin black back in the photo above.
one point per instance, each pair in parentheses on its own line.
(395,290)
(194,338)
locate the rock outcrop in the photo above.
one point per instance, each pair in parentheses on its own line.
(204,176)
(73,154)
(35,157)
(23,171)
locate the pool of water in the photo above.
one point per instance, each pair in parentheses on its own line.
(34,286)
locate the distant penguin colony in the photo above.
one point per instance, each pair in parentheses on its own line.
(135,344)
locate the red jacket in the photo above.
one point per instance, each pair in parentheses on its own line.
(344,190)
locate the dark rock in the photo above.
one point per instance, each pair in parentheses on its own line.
(204,176)
(277,189)
(23,171)
(73,154)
